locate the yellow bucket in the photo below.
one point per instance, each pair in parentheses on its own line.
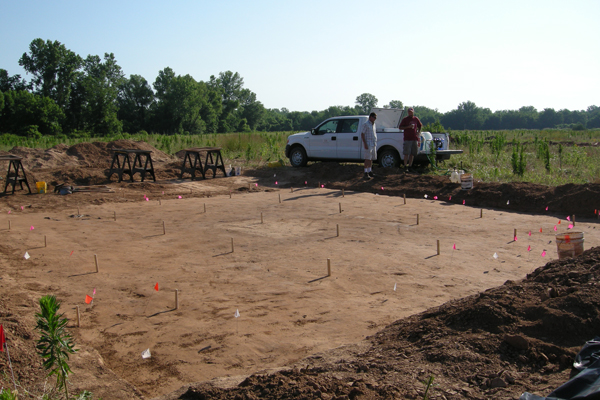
(569,244)
(41,187)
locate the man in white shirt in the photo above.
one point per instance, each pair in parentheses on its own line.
(368,136)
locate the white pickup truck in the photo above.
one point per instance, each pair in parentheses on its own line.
(338,139)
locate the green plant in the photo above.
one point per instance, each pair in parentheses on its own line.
(428,385)
(518,159)
(55,343)
(7,394)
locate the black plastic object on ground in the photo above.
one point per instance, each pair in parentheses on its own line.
(583,386)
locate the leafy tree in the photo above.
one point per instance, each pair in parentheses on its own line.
(55,343)
(54,69)
(394,104)
(12,82)
(94,104)
(365,102)
(135,98)
(549,118)
(184,105)
(23,109)
(466,116)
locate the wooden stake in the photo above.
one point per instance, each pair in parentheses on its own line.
(342,192)
(230,194)
(573,220)
(164,228)
(438,247)
(417,219)
(159,202)
(481,213)
(177,299)
(115,214)
(9,224)
(515,235)
(328,267)
(404,196)
(340,207)
(204,208)
(337,228)
(45,242)
(232,245)
(279,198)
(291,190)
(96,260)
(261,218)
(78,318)
(78,213)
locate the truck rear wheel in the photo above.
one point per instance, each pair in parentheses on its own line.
(389,158)
(298,157)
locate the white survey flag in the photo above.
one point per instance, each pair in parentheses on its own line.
(26,256)
(237,313)
(495,256)
(394,287)
(146,353)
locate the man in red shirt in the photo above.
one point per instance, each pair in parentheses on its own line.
(412,129)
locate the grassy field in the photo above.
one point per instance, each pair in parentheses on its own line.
(550,157)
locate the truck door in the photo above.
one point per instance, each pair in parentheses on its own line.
(348,139)
(323,141)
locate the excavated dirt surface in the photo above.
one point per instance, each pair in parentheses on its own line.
(482,328)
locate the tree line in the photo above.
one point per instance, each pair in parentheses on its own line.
(74,96)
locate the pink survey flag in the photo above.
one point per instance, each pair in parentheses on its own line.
(515,238)
(179,197)
(540,230)
(256,184)
(570,226)
(555,229)
(546,208)
(382,188)
(2,338)
(9,211)
(94,292)
(147,199)
(31,228)
(568,218)
(435,197)
(529,233)
(449,198)
(544,253)
(276,182)
(463,202)
(305,183)
(454,246)
(22,208)
(529,248)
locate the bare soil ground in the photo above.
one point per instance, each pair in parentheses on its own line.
(392,313)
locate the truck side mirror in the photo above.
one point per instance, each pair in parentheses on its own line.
(312,131)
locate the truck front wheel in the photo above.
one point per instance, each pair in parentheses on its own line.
(389,158)
(298,157)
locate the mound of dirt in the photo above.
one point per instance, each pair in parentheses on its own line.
(522,336)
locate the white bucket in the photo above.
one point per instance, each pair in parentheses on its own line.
(466,181)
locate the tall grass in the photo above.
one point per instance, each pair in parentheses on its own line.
(250,148)
(549,157)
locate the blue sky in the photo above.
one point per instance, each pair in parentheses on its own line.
(309,55)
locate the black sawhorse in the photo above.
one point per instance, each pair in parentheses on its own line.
(213,162)
(121,158)
(14,162)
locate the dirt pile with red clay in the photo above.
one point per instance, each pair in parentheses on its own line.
(521,336)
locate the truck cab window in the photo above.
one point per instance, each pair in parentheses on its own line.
(349,126)
(327,127)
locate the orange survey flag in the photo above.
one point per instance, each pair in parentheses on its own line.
(88,299)
(2,338)
(156,287)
